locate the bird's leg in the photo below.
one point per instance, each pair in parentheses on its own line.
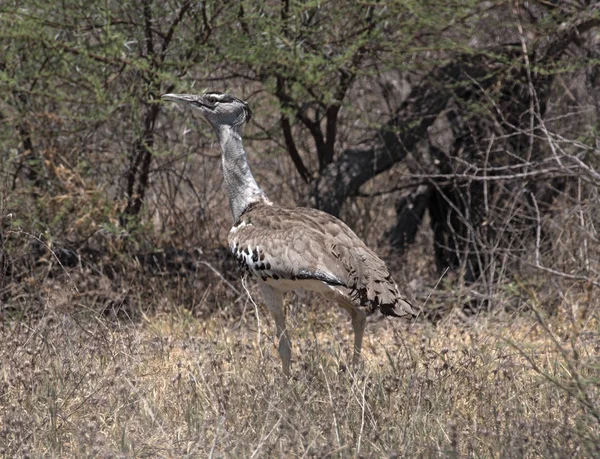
(359,320)
(274,301)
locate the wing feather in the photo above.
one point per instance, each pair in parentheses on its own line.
(302,243)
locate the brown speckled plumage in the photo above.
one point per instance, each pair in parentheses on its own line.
(301,243)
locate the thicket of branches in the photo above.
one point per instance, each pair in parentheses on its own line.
(480,118)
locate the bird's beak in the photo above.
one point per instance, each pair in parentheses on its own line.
(179,98)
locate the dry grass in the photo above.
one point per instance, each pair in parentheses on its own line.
(170,385)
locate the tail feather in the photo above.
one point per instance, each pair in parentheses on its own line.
(372,286)
(401,308)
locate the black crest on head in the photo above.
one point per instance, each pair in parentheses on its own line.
(247,112)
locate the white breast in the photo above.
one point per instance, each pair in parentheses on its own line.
(286,285)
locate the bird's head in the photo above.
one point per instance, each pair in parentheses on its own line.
(219,109)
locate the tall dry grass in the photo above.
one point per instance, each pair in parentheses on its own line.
(74,382)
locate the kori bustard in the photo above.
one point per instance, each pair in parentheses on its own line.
(293,248)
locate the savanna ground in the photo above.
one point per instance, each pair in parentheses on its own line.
(75,381)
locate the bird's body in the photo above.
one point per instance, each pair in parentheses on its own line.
(293,248)
(299,247)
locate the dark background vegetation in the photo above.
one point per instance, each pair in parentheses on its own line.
(458,138)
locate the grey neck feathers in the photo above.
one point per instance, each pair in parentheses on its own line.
(242,189)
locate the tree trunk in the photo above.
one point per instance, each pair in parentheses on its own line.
(354,167)
(138,174)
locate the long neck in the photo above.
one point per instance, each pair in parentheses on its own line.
(242,189)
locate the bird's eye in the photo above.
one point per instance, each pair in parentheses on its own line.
(211,100)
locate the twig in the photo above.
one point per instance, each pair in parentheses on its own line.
(449,179)
(538,229)
(434,289)
(335,423)
(264,439)
(567,275)
(214,443)
(257,315)
(229,284)
(585,253)
(362,419)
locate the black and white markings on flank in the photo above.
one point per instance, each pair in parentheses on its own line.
(252,260)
